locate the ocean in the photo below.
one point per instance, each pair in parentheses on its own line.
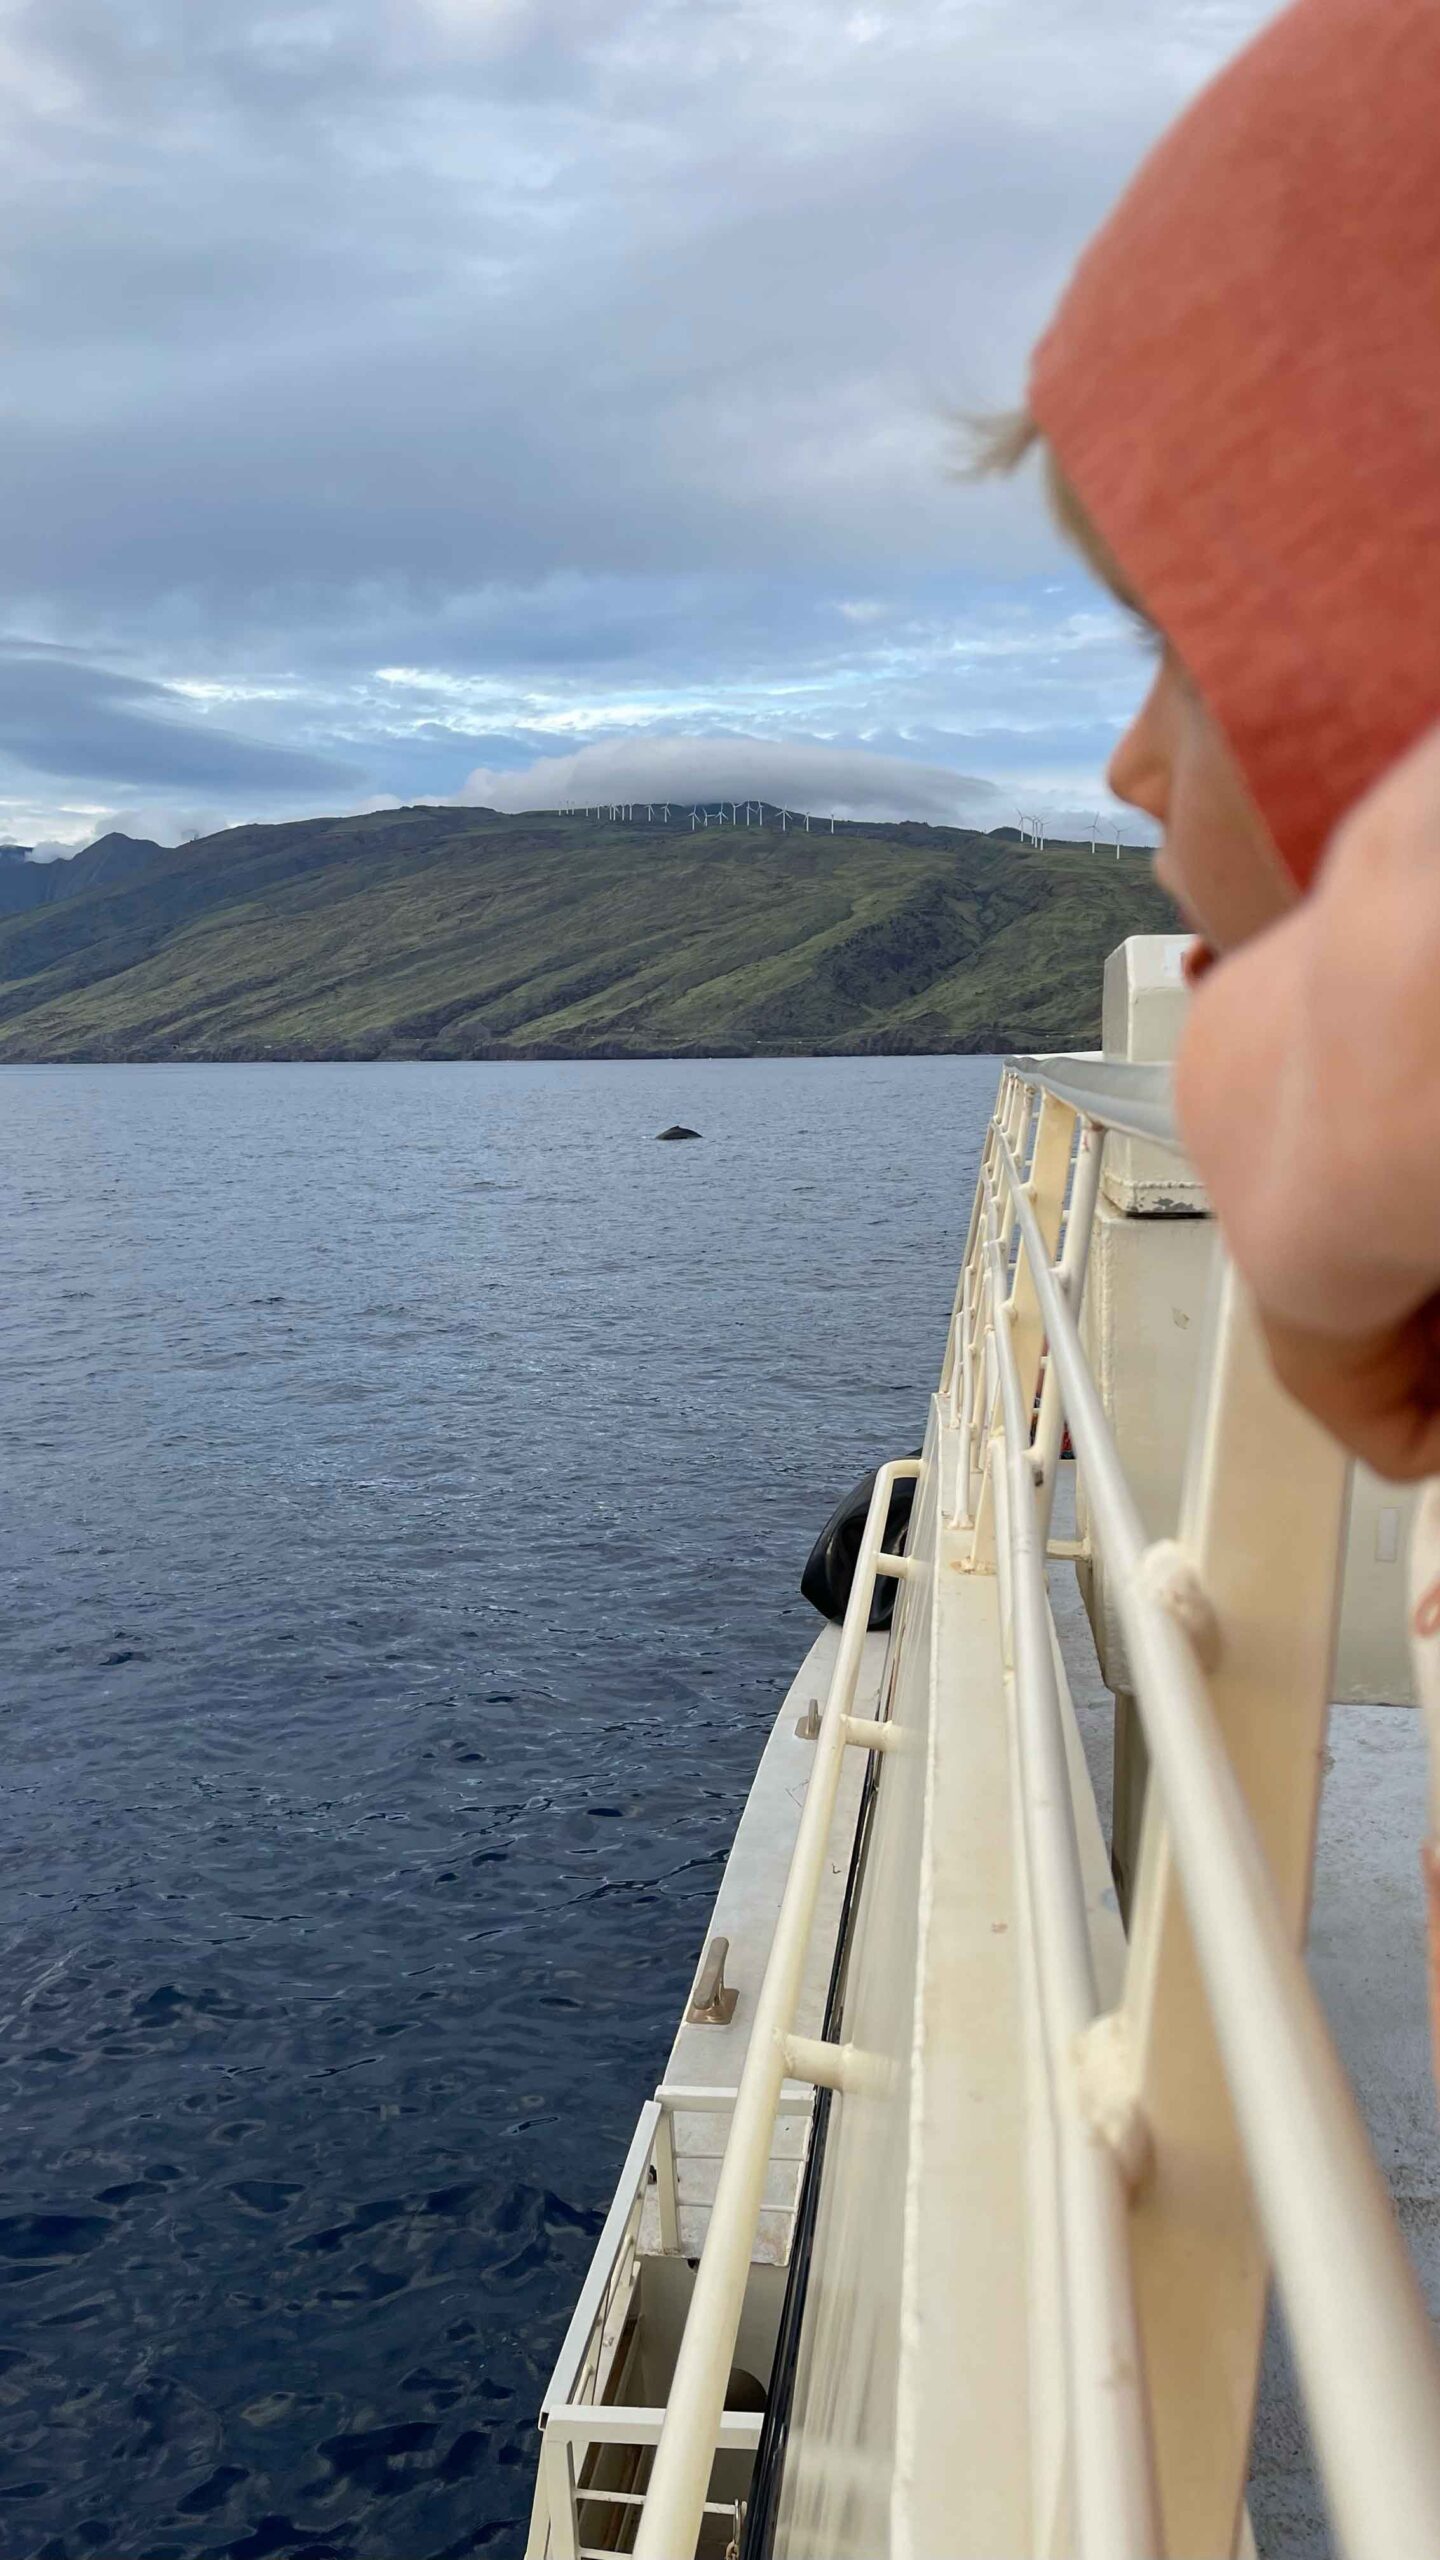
(408,1473)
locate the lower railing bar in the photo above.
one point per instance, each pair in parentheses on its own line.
(1362,2341)
(636,2498)
(1116,2509)
(678,2099)
(615,2422)
(678,2483)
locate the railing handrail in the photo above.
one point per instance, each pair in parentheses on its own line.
(1116,2512)
(1360,2334)
(1111,1093)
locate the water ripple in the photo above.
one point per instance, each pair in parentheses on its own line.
(409,1471)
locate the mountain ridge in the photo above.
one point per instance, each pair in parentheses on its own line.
(111,859)
(460,932)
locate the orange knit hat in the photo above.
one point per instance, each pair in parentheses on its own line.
(1242,384)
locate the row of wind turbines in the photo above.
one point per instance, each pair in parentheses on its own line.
(761,813)
(716,813)
(1032,829)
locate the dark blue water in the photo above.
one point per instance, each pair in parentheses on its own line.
(406,1475)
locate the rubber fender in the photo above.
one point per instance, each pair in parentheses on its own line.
(830,1571)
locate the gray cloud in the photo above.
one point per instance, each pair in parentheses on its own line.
(60,715)
(844,782)
(391,333)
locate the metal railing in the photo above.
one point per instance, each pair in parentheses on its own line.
(670,2519)
(1203,2129)
(1362,2341)
(576,2419)
(574,2433)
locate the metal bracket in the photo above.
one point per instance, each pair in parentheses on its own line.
(1107,2087)
(808,1725)
(1167,1573)
(870,1734)
(844,2067)
(712,2002)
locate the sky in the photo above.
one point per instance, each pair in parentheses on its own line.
(540,401)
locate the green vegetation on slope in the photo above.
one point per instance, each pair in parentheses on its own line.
(459,933)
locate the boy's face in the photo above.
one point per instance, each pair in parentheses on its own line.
(1217,861)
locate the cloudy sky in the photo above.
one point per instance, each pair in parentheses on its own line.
(528,400)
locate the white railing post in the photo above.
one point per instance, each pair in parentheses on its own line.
(667,2192)
(1073,1265)
(555,2512)
(964,1488)
(1047,1183)
(982,1537)
(1012,1134)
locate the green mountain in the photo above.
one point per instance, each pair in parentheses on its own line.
(112,861)
(461,933)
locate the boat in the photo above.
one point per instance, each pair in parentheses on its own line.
(998,2110)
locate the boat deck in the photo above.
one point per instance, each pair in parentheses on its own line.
(1053,2168)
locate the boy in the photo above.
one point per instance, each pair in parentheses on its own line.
(1239,401)
(1240,404)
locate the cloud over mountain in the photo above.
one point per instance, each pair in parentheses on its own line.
(844,782)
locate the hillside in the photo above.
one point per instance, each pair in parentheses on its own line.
(111,862)
(460,933)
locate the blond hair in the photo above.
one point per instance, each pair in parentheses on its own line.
(1000,443)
